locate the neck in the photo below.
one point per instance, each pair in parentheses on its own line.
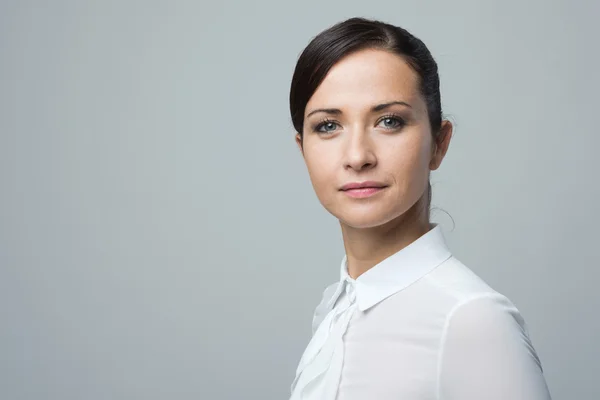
(367,247)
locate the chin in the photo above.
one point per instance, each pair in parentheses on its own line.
(362,224)
(365,218)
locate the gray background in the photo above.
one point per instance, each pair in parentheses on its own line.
(159,236)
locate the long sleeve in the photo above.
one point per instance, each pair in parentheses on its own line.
(487,354)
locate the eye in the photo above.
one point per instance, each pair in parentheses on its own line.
(327,124)
(392,122)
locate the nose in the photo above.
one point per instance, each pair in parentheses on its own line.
(360,153)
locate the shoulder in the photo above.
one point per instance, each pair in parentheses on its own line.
(475,313)
(485,313)
(458,280)
(476,309)
(486,352)
(489,324)
(475,305)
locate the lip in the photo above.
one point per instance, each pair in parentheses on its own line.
(363,185)
(363,189)
(363,192)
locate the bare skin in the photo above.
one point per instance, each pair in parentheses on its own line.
(393,145)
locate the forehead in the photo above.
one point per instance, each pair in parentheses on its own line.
(364,78)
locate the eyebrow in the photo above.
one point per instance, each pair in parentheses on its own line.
(378,107)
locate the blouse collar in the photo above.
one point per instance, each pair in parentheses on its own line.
(396,272)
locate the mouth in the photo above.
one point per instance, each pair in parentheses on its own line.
(363,191)
(362,185)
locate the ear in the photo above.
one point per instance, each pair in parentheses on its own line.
(299,143)
(440,145)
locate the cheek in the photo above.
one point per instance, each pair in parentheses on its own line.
(409,161)
(321,169)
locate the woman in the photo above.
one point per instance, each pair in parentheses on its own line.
(406,320)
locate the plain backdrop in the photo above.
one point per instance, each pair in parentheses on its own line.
(159,235)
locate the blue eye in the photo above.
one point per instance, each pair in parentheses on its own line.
(326,124)
(392,122)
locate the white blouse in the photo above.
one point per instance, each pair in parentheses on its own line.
(419,325)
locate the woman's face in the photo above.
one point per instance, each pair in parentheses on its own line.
(367,121)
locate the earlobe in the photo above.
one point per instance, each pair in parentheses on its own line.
(433,163)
